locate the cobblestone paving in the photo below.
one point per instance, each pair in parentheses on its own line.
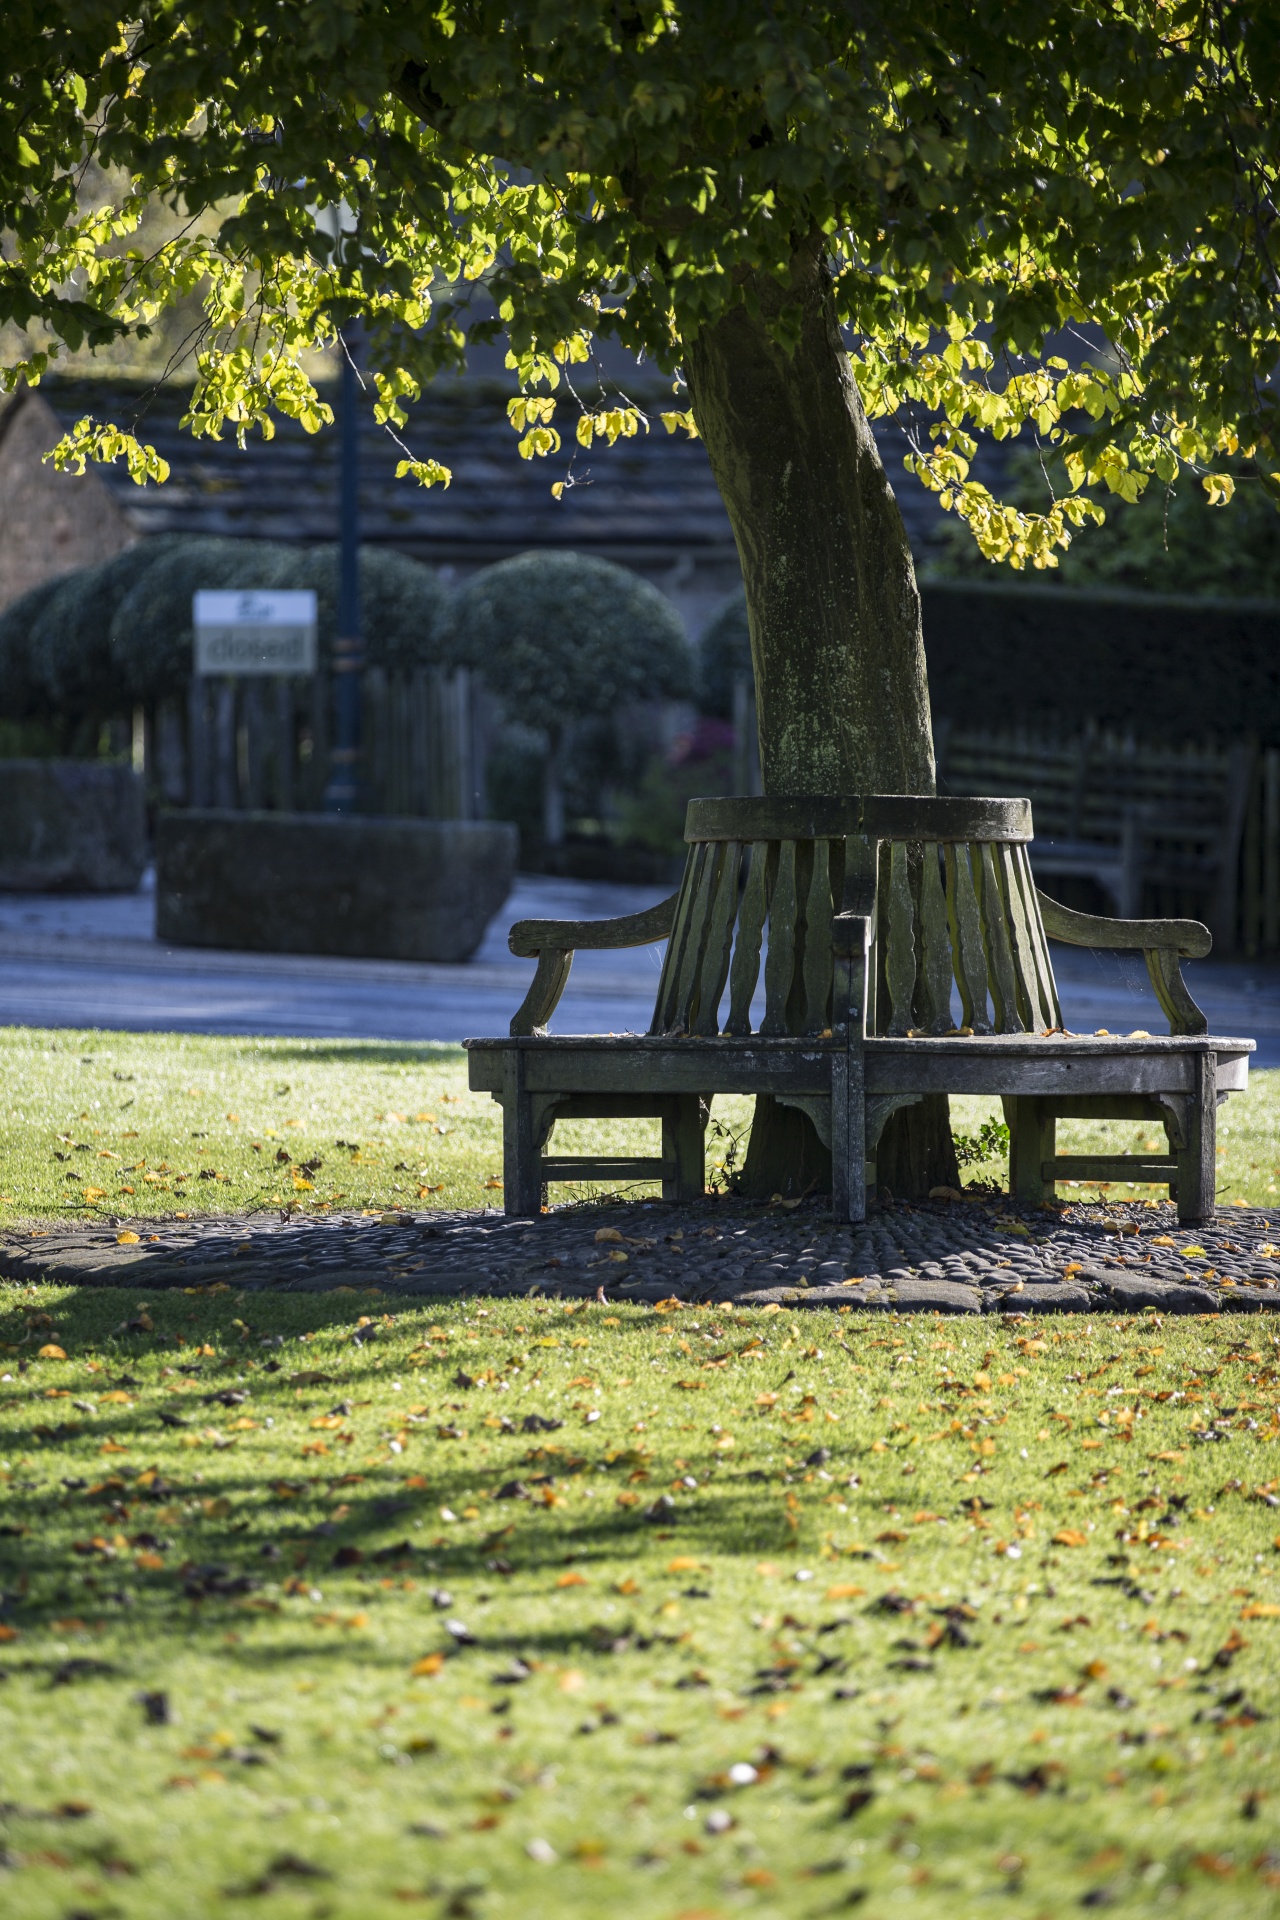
(978,1255)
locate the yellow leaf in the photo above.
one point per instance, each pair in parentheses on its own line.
(427,1668)
(571,1580)
(128,1239)
(1070,1537)
(52,1353)
(1260,1610)
(95,1193)
(608,1235)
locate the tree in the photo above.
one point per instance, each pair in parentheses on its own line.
(1045,216)
(565,637)
(1172,540)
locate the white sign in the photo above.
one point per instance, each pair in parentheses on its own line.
(255,632)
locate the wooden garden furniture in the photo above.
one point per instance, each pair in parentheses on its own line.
(904,951)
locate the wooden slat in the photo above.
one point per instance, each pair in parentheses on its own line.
(695,946)
(780,961)
(605,1167)
(900,944)
(934,1011)
(664,1013)
(1050,1006)
(1001,979)
(715,957)
(967,949)
(1025,971)
(745,969)
(817,941)
(1136,1167)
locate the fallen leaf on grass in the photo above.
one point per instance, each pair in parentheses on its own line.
(428,1667)
(1070,1537)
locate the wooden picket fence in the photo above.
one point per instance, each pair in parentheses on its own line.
(264,743)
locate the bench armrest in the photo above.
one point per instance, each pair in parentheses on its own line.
(1162,943)
(553,944)
(529,938)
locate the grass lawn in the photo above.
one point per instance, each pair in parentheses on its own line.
(325,1605)
(149,1124)
(306,1614)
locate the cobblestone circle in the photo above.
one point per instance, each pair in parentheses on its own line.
(981,1254)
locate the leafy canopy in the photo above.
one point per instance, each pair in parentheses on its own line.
(1050,217)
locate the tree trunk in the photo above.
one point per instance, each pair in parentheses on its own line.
(832,606)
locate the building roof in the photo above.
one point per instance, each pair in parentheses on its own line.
(644,499)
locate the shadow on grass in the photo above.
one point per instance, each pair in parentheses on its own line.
(136,1530)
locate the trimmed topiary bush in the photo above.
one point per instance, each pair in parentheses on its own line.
(151,631)
(70,640)
(404,606)
(564,638)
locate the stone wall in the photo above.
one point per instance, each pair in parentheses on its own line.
(50,522)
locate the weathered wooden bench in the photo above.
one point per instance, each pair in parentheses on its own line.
(903,949)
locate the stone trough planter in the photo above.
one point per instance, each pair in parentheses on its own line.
(366,887)
(71,826)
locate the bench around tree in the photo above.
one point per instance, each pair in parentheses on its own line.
(866,917)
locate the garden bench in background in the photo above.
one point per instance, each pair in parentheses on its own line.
(867,917)
(1146,823)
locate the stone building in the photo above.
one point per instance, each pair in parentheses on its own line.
(50,522)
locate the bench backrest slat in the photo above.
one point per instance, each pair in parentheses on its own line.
(937,962)
(745,967)
(780,959)
(899,944)
(1042,988)
(817,939)
(719,942)
(995,937)
(964,920)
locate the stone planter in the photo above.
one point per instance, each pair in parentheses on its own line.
(71,826)
(390,889)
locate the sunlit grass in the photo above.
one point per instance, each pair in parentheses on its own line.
(151,1124)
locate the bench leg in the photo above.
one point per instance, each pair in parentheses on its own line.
(1032,1134)
(684,1127)
(521,1159)
(1197,1159)
(848,1138)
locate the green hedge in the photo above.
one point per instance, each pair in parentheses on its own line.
(103,639)
(1166,667)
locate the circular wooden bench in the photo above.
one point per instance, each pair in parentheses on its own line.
(903,949)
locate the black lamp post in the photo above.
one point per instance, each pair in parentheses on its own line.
(343,787)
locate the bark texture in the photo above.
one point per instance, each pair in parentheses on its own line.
(834,614)
(832,601)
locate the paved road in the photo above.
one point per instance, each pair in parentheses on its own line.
(94,961)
